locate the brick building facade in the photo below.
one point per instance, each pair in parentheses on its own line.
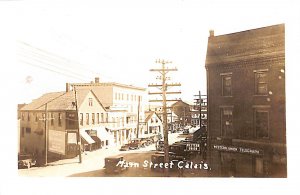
(246,103)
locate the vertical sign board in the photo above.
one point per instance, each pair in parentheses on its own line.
(57,141)
(72,138)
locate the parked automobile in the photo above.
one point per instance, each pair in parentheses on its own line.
(26,161)
(114,164)
(124,147)
(159,157)
(136,144)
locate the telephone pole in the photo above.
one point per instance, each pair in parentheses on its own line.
(138,118)
(78,132)
(163,87)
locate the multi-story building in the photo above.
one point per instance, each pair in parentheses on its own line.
(154,124)
(50,123)
(246,103)
(118,97)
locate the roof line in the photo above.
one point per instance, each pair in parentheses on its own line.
(260,28)
(50,101)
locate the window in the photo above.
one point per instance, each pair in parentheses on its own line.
(262,123)
(87,118)
(22,132)
(107,117)
(261,85)
(36,117)
(102,118)
(226,85)
(116,96)
(90,101)
(22,116)
(98,118)
(52,119)
(71,118)
(93,118)
(28,130)
(28,116)
(127,97)
(44,116)
(81,119)
(59,119)
(226,121)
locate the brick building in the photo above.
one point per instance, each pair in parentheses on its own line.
(246,103)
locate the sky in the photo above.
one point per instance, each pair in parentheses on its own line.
(119,41)
(46,43)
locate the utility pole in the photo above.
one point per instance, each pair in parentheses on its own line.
(138,118)
(163,87)
(78,132)
(46,134)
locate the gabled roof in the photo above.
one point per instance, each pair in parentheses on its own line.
(37,103)
(148,115)
(59,101)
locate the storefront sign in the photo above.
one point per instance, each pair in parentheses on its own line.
(192,147)
(57,141)
(238,149)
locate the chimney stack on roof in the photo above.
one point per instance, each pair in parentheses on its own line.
(211,33)
(97,80)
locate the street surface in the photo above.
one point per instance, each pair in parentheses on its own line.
(93,164)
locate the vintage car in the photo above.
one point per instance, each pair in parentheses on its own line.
(26,161)
(158,158)
(124,147)
(114,164)
(137,143)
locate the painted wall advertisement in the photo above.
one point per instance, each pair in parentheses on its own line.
(57,141)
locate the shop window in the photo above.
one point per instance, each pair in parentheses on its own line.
(262,123)
(226,85)
(261,84)
(226,121)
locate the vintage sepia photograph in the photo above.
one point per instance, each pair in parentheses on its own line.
(162,90)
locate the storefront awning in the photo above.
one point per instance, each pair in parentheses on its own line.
(86,136)
(102,134)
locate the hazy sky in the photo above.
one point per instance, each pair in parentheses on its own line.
(74,41)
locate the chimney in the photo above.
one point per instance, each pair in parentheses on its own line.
(97,79)
(211,33)
(67,87)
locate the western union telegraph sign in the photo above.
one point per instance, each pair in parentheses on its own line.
(238,149)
